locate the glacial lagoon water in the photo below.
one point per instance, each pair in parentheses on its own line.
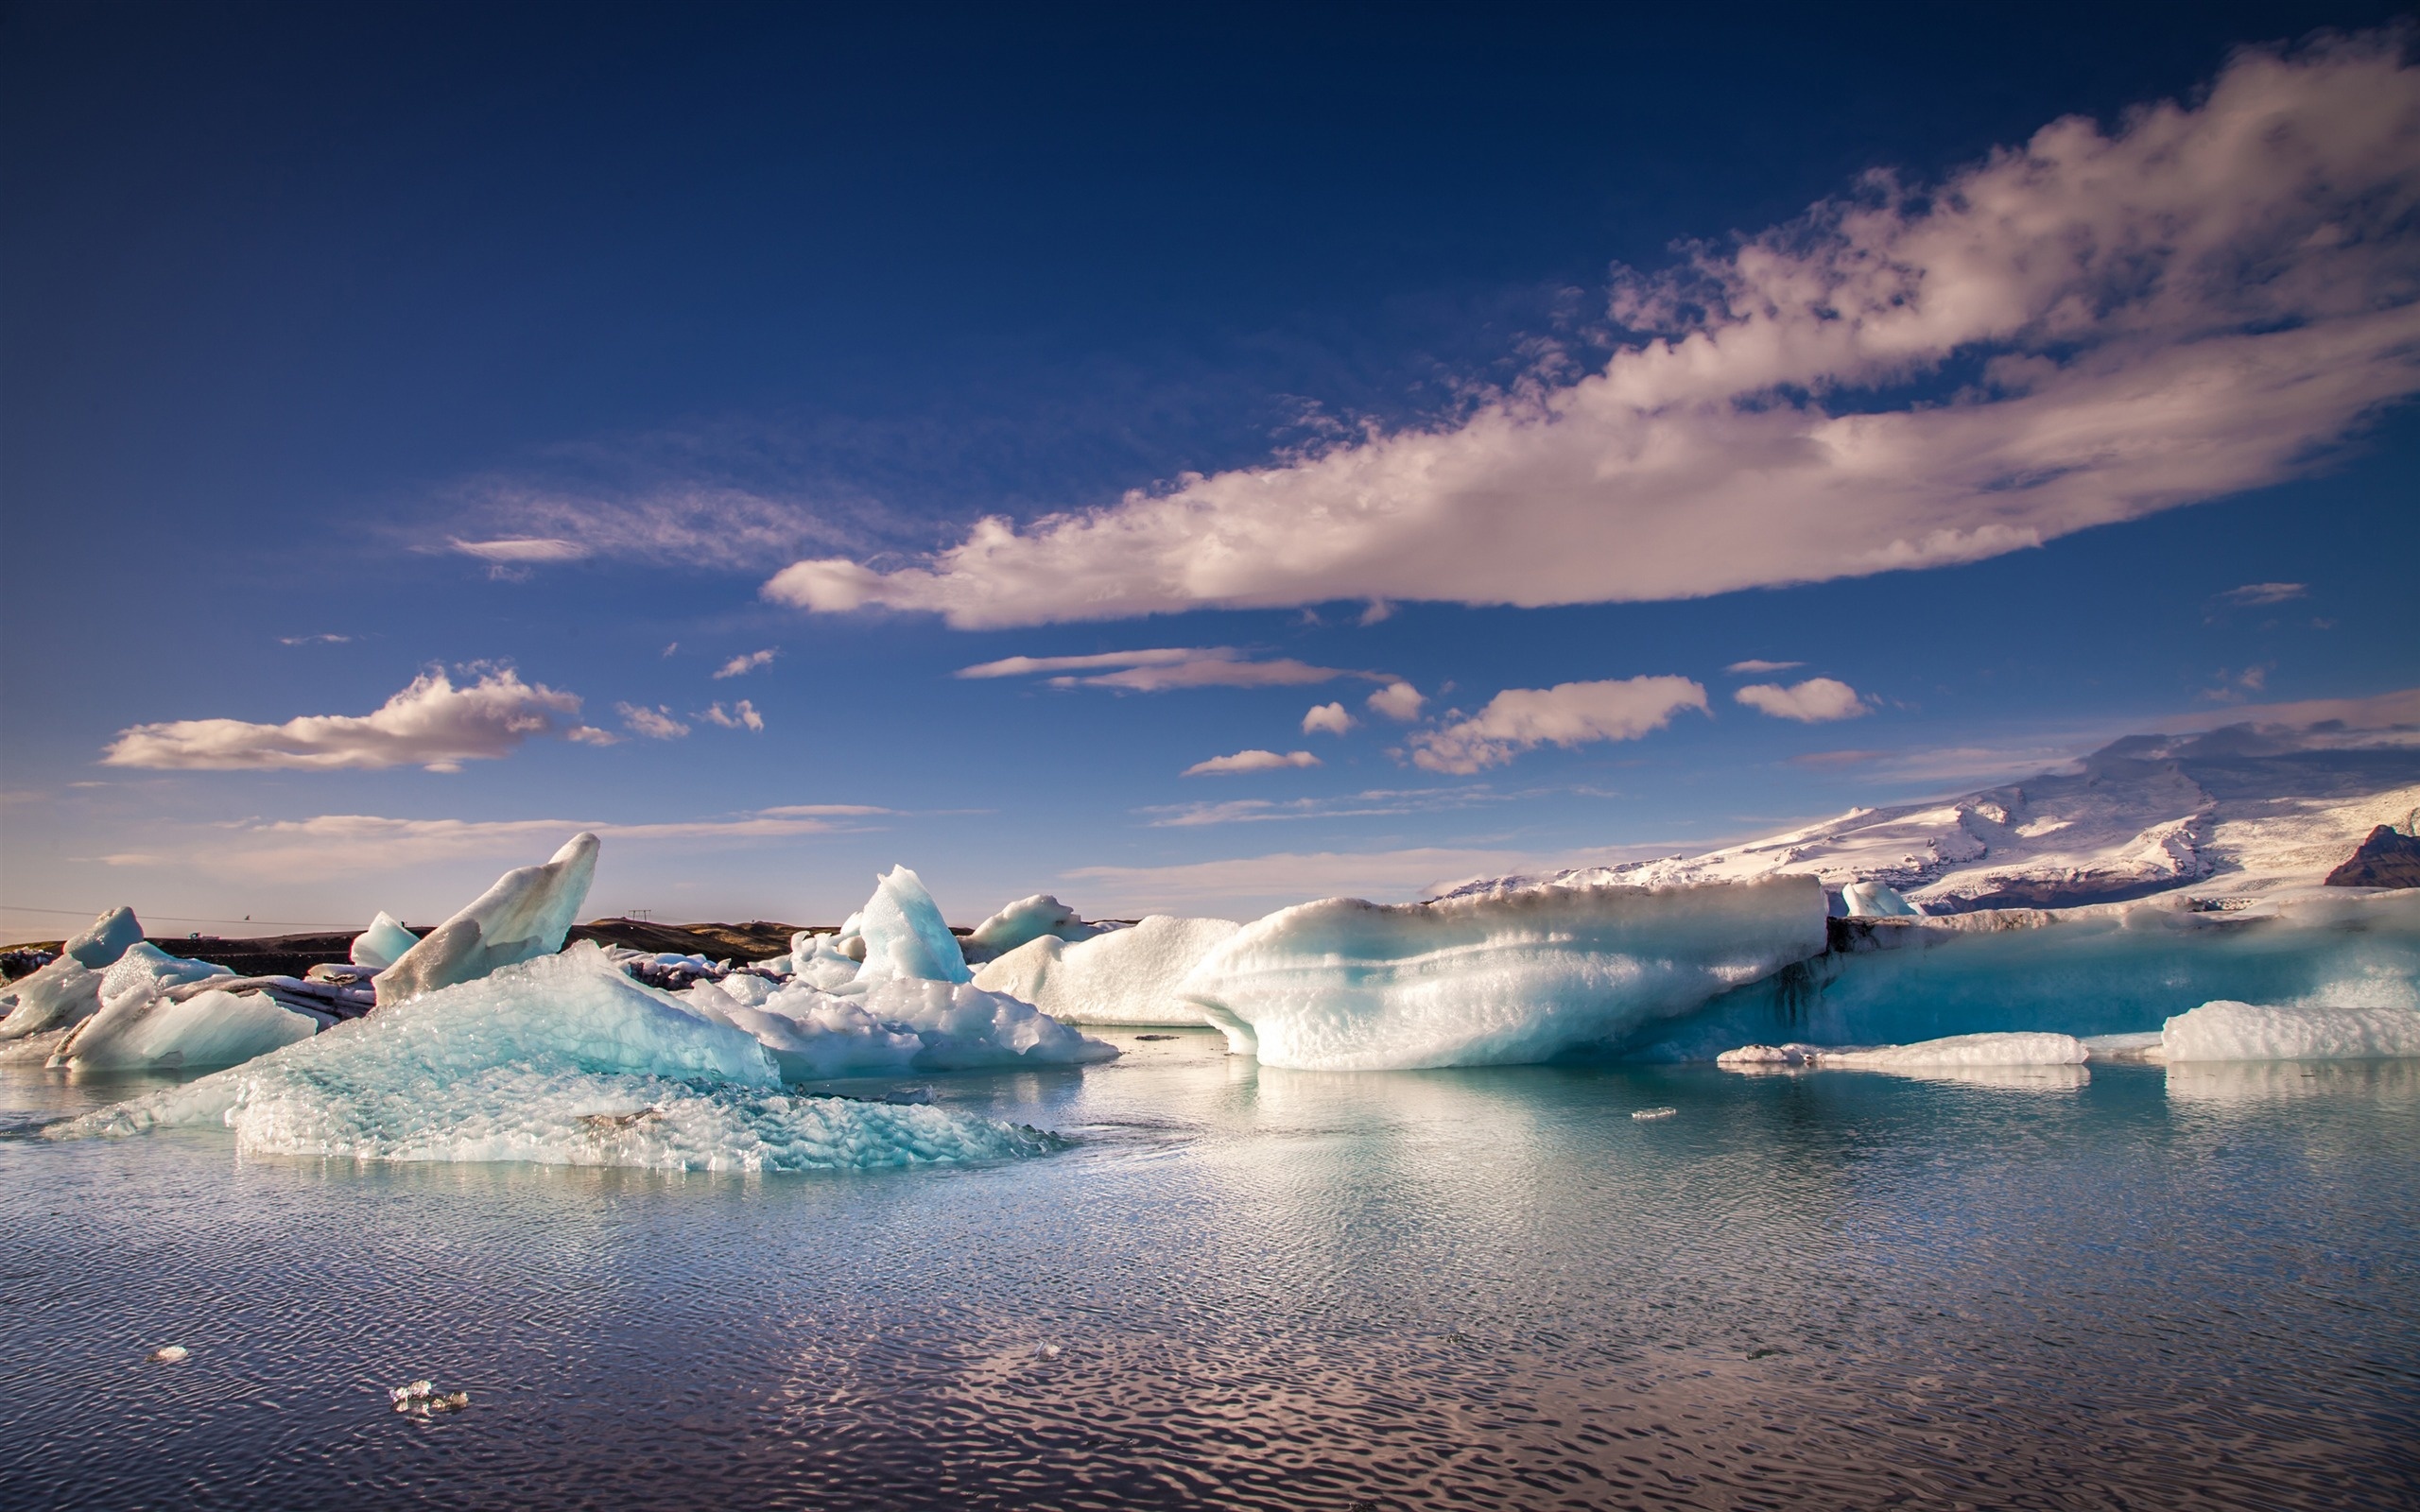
(1241,1287)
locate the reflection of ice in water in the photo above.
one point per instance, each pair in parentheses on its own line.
(2250,1082)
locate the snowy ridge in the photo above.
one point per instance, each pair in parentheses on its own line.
(2232,815)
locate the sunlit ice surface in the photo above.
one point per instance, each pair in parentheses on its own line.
(1243,1287)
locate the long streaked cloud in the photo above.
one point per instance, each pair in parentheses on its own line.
(431,723)
(1371,803)
(1251,761)
(739,667)
(2104,324)
(1815,701)
(1163,668)
(520,525)
(2252,595)
(348,844)
(1758,667)
(1566,714)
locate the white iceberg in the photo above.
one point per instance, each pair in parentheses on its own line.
(2111,968)
(525,915)
(213,1028)
(68,990)
(383,944)
(903,934)
(561,1059)
(2247,1031)
(1495,978)
(1039,917)
(892,1027)
(1874,900)
(1126,976)
(2017,1049)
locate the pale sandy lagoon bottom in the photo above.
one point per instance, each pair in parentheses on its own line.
(1251,1288)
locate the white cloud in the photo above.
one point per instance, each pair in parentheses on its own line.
(322,639)
(1815,701)
(655,724)
(431,723)
(1163,668)
(2191,306)
(1756,666)
(520,551)
(590,735)
(1330,717)
(677,524)
(1566,714)
(1251,761)
(743,715)
(337,844)
(2253,594)
(1376,803)
(1398,700)
(739,667)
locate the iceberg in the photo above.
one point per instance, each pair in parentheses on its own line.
(2090,971)
(527,914)
(559,1059)
(1125,977)
(68,990)
(1039,917)
(894,1027)
(2016,1049)
(1874,900)
(903,934)
(1495,978)
(211,1028)
(383,944)
(2247,1031)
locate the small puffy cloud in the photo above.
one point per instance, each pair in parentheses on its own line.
(742,716)
(1161,669)
(520,551)
(1756,667)
(655,724)
(2252,594)
(1398,700)
(590,735)
(431,723)
(1566,714)
(1251,761)
(1330,717)
(739,667)
(1816,701)
(2195,299)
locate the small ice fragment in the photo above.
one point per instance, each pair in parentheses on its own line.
(1646,1114)
(1874,900)
(405,1396)
(451,1401)
(1046,1351)
(170,1353)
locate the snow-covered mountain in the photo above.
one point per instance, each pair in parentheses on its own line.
(2229,815)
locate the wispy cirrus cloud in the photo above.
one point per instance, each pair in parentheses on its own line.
(1758,667)
(1566,714)
(1251,761)
(739,667)
(432,724)
(2101,324)
(514,524)
(2252,595)
(1372,803)
(655,724)
(1815,701)
(1164,668)
(741,715)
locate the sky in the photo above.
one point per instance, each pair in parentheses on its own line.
(1195,460)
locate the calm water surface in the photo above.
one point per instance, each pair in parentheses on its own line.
(1251,1288)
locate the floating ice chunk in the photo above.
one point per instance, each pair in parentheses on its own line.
(1874,900)
(903,934)
(904,1023)
(383,944)
(105,938)
(1495,978)
(207,1029)
(1039,917)
(68,990)
(561,1059)
(170,1355)
(64,993)
(1650,1115)
(526,914)
(1126,976)
(2021,1049)
(2246,1031)
(2145,1046)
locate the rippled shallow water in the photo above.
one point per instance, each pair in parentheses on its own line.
(1251,1288)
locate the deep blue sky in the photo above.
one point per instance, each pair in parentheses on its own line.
(291,291)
